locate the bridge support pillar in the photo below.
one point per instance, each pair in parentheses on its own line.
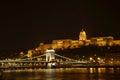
(50,55)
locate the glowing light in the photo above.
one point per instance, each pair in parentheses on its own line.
(91,58)
(99,58)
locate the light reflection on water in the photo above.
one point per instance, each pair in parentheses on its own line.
(64,74)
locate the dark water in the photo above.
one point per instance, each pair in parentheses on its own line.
(64,74)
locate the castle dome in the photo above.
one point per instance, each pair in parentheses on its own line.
(82,35)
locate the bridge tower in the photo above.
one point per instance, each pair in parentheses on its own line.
(50,55)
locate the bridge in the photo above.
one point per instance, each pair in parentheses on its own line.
(48,60)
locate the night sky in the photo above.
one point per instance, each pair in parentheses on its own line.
(23,25)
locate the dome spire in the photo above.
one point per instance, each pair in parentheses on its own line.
(82,35)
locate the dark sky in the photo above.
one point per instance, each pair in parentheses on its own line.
(23,25)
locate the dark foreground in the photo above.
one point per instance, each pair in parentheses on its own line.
(63,74)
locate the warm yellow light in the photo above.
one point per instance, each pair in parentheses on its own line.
(91,58)
(94,61)
(99,58)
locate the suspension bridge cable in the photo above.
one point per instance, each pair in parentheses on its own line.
(65,57)
(34,57)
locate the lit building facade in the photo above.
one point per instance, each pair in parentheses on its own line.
(82,41)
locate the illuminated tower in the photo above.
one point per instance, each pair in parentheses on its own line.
(50,55)
(82,35)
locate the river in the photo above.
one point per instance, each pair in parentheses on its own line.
(63,74)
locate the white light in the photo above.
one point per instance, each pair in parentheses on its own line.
(48,51)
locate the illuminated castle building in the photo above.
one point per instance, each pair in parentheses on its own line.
(82,41)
